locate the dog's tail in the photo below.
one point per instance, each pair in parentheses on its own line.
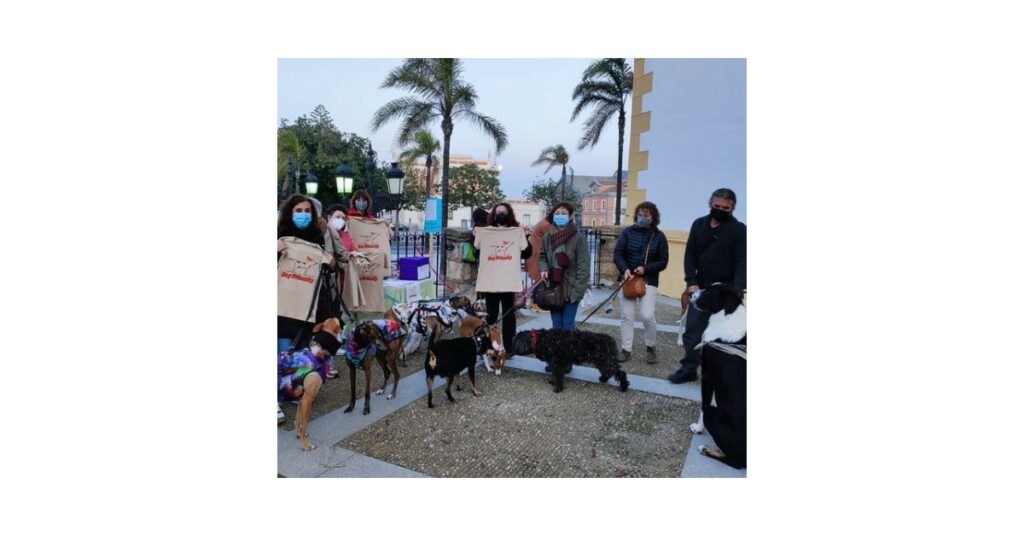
(620,376)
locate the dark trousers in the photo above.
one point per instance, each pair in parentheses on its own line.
(508,324)
(725,379)
(696,323)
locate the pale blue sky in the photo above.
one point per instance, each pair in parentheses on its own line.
(697,140)
(532,98)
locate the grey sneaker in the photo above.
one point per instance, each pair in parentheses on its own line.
(652,358)
(624,356)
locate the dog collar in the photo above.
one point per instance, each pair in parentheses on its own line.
(533,341)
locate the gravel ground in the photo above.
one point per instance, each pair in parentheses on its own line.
(335,392)
(668,353)
(520,428)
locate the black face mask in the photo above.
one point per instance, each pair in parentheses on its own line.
(720,216)
(501,218)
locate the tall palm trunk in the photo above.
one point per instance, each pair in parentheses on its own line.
(618,172)
(563,182)
(430,161)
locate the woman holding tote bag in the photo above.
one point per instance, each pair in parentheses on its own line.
(564,261)
(641,253)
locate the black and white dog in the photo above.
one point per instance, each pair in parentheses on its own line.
(561,349)
(724,375)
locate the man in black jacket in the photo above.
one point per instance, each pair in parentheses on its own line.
(716,252)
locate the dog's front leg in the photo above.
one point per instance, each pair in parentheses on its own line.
(352,388)
(472,382)
(393,363)
(487,362)
(559,378)
(368,370)
(311,385)
(430,391)
(698,427)
(448,388)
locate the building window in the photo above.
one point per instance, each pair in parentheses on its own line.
(465,224)
(603,207)
(526,220)
(593,222)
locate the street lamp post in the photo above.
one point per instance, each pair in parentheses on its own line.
(396,185)
(343,177)
(312,183)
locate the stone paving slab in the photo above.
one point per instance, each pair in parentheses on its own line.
(700,466)
(359,466)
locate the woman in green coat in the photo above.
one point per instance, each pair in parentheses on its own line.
(565,261)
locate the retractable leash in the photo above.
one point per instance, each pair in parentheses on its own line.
(610,296)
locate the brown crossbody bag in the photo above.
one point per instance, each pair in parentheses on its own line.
(637,287)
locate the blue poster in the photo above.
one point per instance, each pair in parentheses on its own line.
(432,218)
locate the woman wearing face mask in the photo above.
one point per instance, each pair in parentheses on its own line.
(361,205)
(641,251)
(503,216)
(298,218)
(565,261)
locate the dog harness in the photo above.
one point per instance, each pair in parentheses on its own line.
(390,330)
(415,316)
(533,341)
(292,370)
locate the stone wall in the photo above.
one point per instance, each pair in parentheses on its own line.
(460,273)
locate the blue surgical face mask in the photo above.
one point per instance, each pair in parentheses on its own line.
(302,219)
(561,220)
(643,221)
(360,204)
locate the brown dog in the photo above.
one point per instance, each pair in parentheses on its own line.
(364,335)
(312,382)
(472,326)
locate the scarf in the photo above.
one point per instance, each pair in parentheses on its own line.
(563,235)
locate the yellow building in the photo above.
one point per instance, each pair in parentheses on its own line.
(687,138)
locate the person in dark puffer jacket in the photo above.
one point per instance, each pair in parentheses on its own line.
(633,260)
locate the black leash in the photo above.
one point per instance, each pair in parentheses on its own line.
(610,296)
(312,305)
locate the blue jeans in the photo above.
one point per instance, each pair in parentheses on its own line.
(565,318)
(283,345)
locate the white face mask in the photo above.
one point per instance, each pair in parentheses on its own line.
(338,224)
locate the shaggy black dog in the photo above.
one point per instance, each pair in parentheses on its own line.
(560,349)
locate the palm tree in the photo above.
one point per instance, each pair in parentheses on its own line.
(441,93)
(605,86)
(423,145)
(555,155)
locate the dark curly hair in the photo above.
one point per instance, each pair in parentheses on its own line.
(285,227)
(655,215)
(567,206)
(491,218)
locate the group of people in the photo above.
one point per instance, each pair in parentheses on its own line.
(715,254)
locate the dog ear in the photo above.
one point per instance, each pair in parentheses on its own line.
(319,326)
(730,301)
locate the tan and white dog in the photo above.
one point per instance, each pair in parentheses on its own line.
(495,356)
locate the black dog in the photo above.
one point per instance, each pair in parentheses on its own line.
(561,349)
(448,358)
